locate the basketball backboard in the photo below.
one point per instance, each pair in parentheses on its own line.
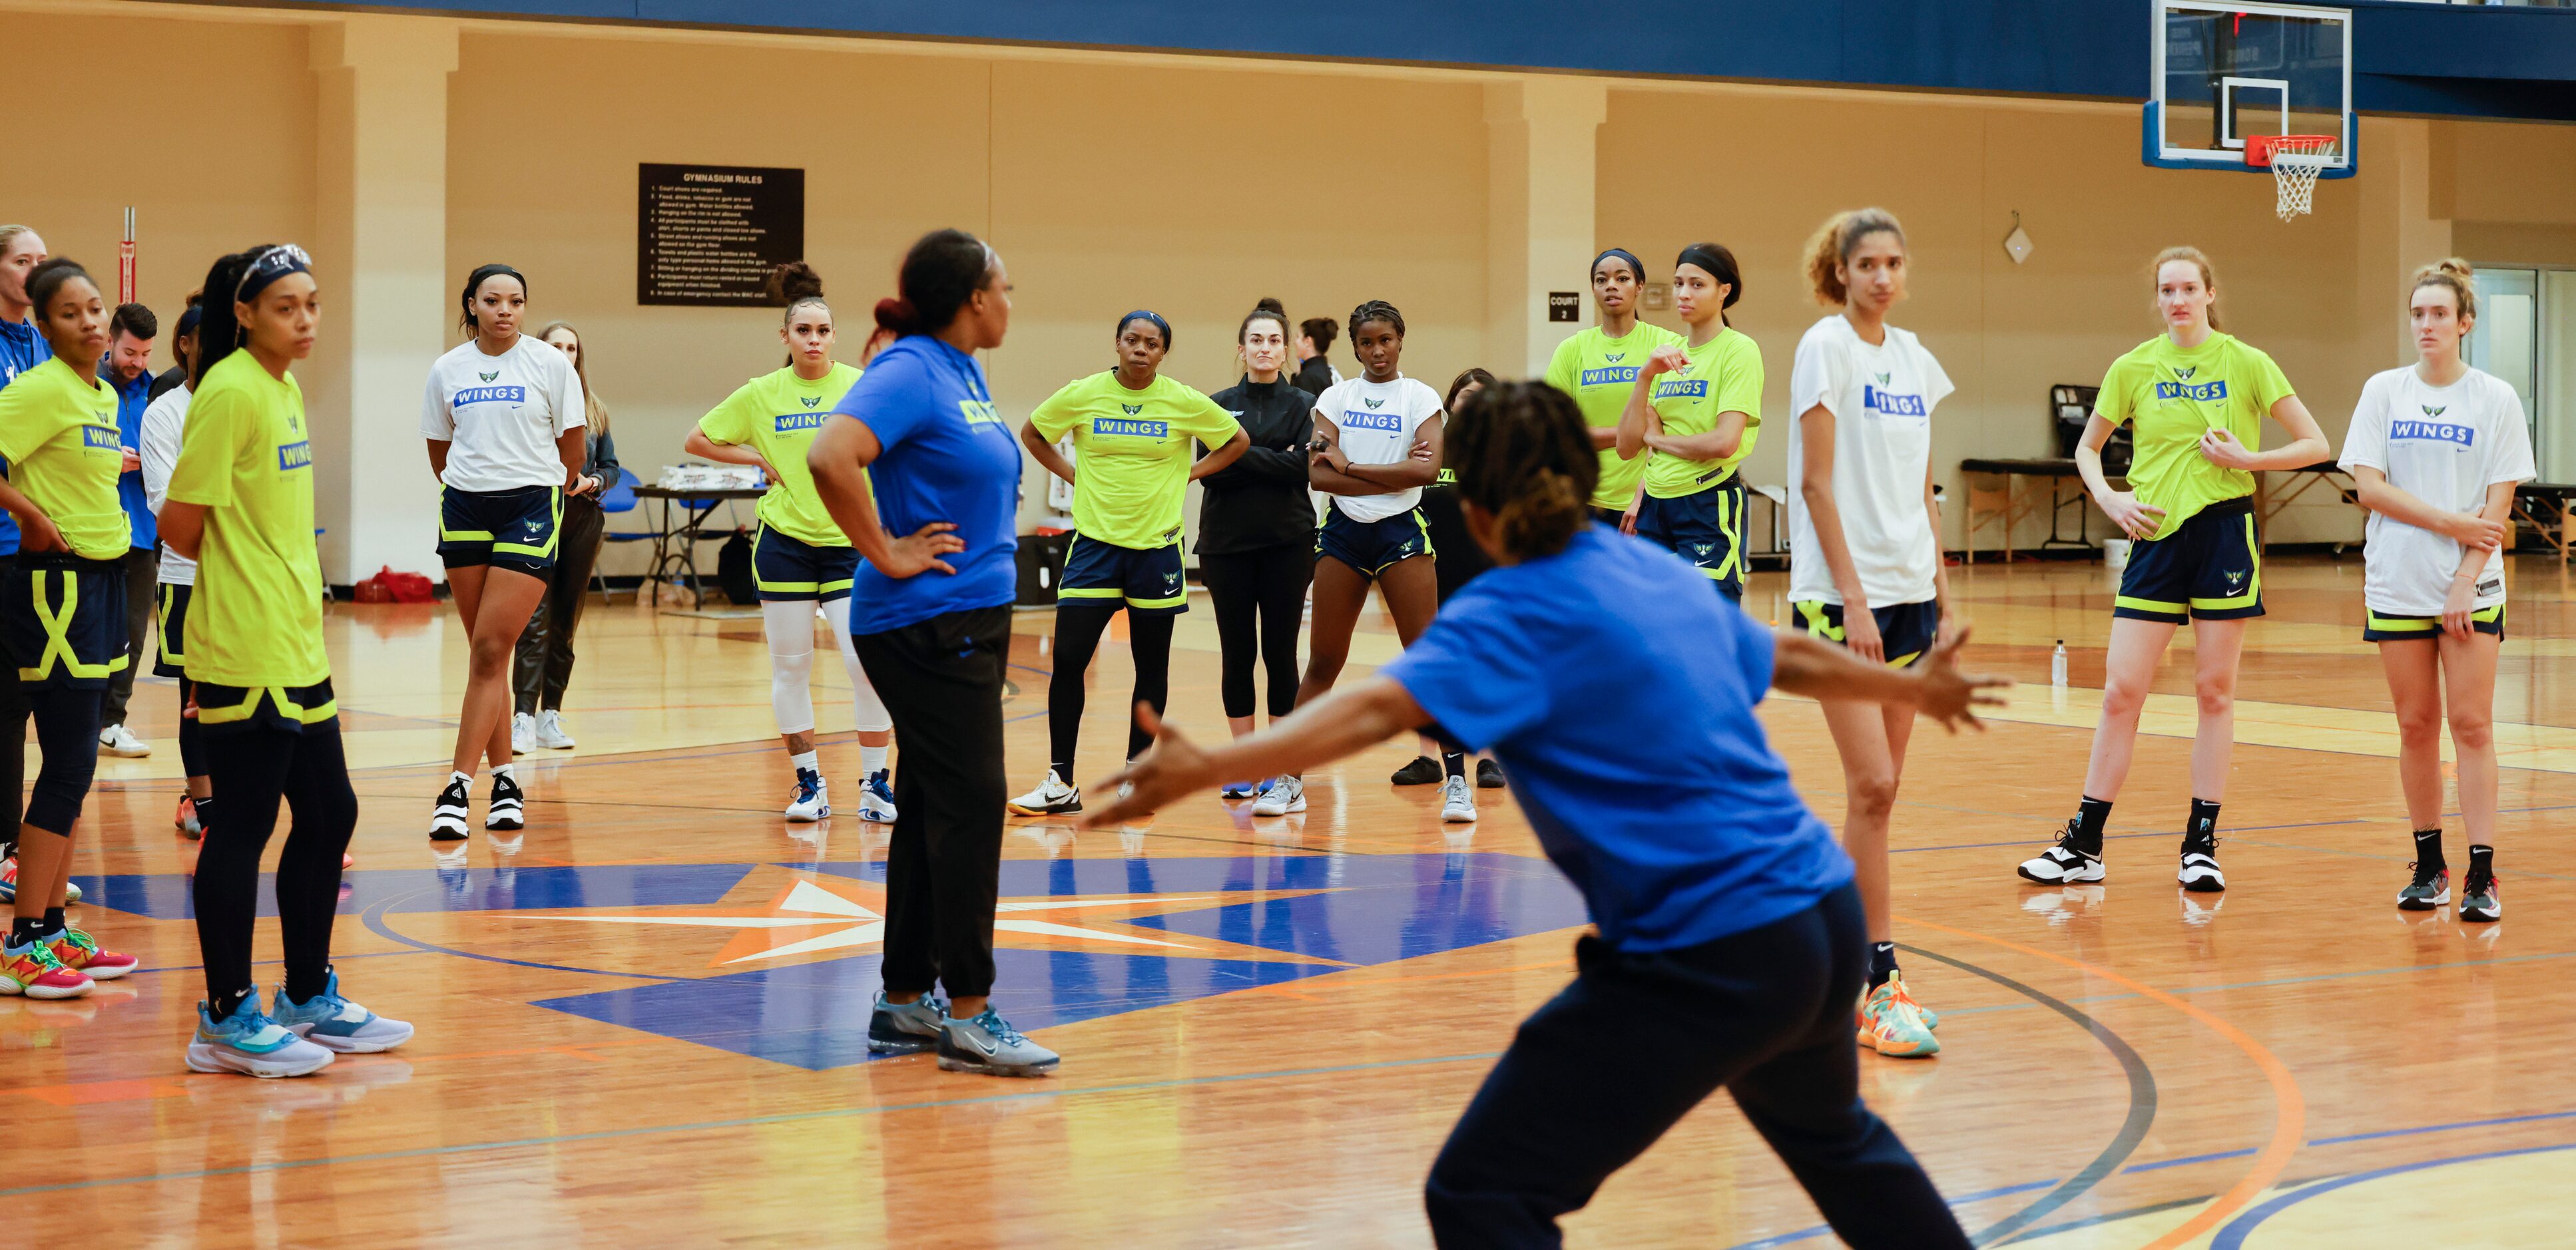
(2221,72)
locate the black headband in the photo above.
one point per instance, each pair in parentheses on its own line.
(188,320)
(1147,315)
(489,272)
(271,264)
(1705,259)
(1635,266)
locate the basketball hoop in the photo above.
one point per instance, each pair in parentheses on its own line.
(2295,161)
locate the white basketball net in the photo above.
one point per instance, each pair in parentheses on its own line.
(2296,162)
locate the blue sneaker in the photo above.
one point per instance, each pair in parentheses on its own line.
(334,1023)
(250,1043)
(905,1028)
(988,1044)
(812,800)
(876,798)
(1238,789)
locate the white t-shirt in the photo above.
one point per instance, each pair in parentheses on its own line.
(1882,399)
(2444,445)
(501,414)
(163,422)
(1378,422)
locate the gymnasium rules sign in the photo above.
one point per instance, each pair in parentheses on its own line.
(708,235)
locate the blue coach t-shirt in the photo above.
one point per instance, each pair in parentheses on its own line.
(947,456)
(1619,697)
(21,348)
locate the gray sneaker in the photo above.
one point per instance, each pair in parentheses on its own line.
(905,1028)
(988,1044)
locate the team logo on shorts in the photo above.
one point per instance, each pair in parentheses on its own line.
(2235,580)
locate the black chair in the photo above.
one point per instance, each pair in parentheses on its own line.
(2070,408)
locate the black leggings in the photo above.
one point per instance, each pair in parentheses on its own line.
(1078,627)
(1264,587)
(253,766)
(941,680)
(67,734)
(1765,1014)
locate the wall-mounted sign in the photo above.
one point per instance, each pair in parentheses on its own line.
(1564,306)
(710,234)
(1659,296)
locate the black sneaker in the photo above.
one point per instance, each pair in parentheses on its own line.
(2199,873)
(2429,890)
(505,814)
(2065,863)
(2480,901)
(1489,775)
(447,816)
(1423,771)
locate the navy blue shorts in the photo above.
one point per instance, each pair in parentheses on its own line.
(173,660)
(1706,529)
(1905,630)
(506,529)
(1145,580)
(290,708)
(1372,547)
(2210,568)
(2377,627)
(787,569)
(62,620)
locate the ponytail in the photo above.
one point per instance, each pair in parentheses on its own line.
(219,332)
(1523,454)
(942,272)
(1720,264)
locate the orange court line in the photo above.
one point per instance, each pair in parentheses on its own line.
(2289,1126)
(88,1092)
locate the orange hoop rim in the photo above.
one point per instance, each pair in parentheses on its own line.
(2259,148)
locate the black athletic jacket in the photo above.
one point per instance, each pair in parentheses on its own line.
(1260,500)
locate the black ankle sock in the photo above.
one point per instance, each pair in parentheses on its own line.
(2481,861)
(306,987)
(2204,820)
(2428,848)
(225,1004)
(1453,764)
(1882,963)
(2090,816)
(23,930)
(54,922)
(1063,771)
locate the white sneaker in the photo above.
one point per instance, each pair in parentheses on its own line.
(876,798)
(118,740)
(523,733)
(1457,802)
(1051,798)
(550,731)
(1281,797)
(812,798)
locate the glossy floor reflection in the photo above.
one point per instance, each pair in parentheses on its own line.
(641,1021)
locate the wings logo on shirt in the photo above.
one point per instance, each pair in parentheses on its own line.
(810,401)
(2185,374)
(1133,409)
(493,376)
(1374,403)
(295,455)
(2431,411)
(1886,379)
(1614,357)
(1131,429)
(99,437)
(2436,431)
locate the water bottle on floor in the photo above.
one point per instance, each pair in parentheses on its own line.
(2057,666)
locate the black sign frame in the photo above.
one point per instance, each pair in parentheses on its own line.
(708,235)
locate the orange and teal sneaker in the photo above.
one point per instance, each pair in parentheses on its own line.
(1891,1024)
(33,970)
(80,952)
(1931,1019)
(9,884)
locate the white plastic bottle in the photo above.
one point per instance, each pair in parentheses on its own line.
(2057,666)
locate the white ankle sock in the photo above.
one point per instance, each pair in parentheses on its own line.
(808,759)
(872,760)
(504,771)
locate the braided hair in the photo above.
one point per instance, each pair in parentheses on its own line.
(1523,454)
(1377,310)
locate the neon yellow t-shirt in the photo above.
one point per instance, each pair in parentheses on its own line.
(256,616)
(778,414)
(1131,454)
(1725,375)
(1600,373)
(59,433)
(2174,396)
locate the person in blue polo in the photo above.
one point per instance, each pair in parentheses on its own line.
(1724,913)
(127,370)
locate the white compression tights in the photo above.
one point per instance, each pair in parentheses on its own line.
(790,628)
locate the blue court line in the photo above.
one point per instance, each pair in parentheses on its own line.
(1806,1234)
(260,963)
(2109,1216)
(374,918)
(758,1121)
(2232,1237)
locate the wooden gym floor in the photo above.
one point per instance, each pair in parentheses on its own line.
(641,1023)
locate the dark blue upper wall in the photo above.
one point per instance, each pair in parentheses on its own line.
(2408,57)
